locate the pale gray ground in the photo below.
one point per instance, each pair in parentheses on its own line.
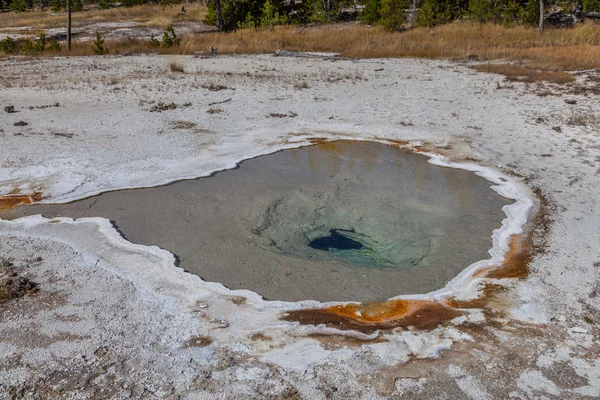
(88,332)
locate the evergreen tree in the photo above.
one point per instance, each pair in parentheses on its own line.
(98,44)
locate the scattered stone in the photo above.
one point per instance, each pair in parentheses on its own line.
(160,107)
(43,107)
(557,128)
(214,111)
(578,329)
(13,286)
(62,134)
(221,323)
(570,101)
(214,87)
(21,123)
(9,109)
(183,125)
(279,115)
(201,305)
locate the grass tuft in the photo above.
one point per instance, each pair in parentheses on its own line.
(520,73)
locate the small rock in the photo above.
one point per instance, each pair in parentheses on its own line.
(9,109)
(221,323)
(21,123)
(557,128)
(570,101)
(578,329)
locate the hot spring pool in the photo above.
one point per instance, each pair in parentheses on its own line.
(335,221)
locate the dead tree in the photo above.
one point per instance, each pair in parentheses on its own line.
(219,12)
(541,28)
(69,25)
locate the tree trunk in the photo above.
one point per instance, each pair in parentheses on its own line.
(541,28)
(69,25)
(219,10)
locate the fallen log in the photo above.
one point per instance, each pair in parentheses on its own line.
(310,54)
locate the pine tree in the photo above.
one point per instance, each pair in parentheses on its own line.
(99,44)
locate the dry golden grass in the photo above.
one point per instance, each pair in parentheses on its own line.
(148,15)
(565,49)
(175,65)
(520,73)
(556,50)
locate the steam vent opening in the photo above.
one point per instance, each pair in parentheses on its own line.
(336,221)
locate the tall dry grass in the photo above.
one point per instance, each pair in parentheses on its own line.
(564,49)
(558,49)
(148,15)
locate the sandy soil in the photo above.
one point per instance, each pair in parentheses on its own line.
(112,319)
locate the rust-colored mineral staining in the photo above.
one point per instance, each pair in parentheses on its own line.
(8,202)
(516,261)
(319,140)
(367,318)
(199,341)
(14,199)
(426,315)
(335,342)
(479,302)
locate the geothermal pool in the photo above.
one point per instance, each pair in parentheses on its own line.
(335,221)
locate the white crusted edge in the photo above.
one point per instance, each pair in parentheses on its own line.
(462,286)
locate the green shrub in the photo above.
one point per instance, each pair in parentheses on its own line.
(482,10)
(21,5)
(270,15)
(531,13)
(60,5)
(438,12)
(8,46)
(372,12)
(98,44)
(591,5)
(512,12)
(41,43)
(392,14)
(57,5)
(105,4)
(312,11)
(170,39)
(248,22)
(28,48)
(154,42)
(53,45)
(426,14)
(131,3)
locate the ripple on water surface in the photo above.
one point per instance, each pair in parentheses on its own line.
(334,221)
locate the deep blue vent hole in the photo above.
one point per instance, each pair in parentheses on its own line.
(336,240)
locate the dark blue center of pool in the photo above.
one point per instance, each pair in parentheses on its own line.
(336,240)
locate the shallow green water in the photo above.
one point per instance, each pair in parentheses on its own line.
(418,225)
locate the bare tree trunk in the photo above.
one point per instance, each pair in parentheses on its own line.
(326,8)
(69,25)
(219,10)
(541,28)
(412,13)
